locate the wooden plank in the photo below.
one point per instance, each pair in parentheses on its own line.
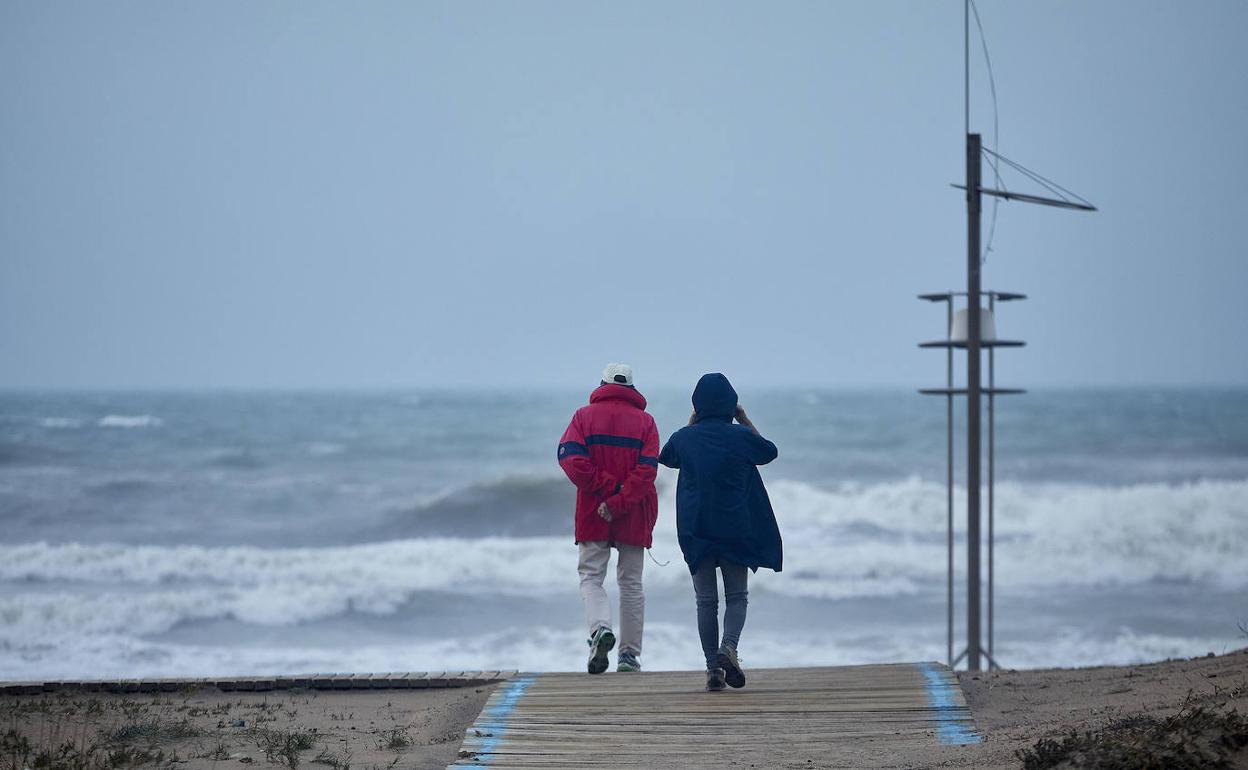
(417,679)
(383,681)
(443,679)
(295,682)
(322,681)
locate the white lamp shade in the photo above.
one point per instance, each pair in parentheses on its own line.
(961,320)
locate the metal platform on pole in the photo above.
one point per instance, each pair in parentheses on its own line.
(972,652)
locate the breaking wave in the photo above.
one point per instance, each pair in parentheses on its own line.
(129,421)
(513,506)
(852,542)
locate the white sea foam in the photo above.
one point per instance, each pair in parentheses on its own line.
(60,422)
(890,537)
(1069,648)
(878,541)
(669,646)
(536,648)
(324,448)
(148,589)
(129,421)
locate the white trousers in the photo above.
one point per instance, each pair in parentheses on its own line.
(593,569)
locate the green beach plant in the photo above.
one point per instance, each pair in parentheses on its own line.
(15,750)
(154,730)
(283,746)
(336,761)
(394,739)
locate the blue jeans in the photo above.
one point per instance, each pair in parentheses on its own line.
(706,589)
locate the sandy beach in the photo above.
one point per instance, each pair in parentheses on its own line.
(1015,709)
(1109,708)
(207,728)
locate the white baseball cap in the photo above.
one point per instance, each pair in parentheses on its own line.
(618,374)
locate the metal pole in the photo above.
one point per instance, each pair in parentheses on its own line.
(972,401)
(966,64)
(992,421)
(949,477)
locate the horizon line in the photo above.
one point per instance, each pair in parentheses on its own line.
(537,386)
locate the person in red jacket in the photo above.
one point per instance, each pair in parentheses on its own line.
(610,453)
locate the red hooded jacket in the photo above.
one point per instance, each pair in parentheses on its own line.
(610,452)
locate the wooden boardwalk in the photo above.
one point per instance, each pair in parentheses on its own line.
(398,680)
(854,716)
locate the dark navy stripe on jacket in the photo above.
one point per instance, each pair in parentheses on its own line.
(571,448)
(643,460)
(609,440)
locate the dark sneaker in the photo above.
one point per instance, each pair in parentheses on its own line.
(714,679)
(727,660)
(599,645)
(628,663)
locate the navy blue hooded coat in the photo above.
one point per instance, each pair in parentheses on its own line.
(722,507)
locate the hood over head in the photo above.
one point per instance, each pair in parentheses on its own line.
(714,397)
(611,391)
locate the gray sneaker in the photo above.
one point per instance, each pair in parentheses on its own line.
(628,663)
(599,645)
(714,679)
(727,660)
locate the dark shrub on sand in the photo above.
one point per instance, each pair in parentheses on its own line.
(1193,739)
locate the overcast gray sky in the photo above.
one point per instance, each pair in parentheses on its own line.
(419,193)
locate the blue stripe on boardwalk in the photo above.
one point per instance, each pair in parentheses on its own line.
(497,714)
(952,729)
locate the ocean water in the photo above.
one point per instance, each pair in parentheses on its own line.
(182,534)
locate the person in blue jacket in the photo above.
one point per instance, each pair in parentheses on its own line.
(723,517)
